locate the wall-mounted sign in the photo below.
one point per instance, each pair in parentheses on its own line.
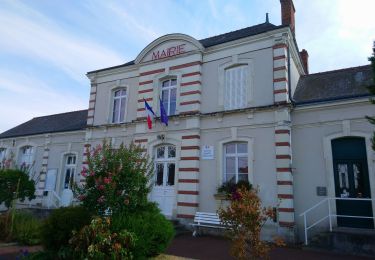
(168,52)
(321,191)
(207,152)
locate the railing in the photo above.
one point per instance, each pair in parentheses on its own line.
(329,216)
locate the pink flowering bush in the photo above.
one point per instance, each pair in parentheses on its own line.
(116,179)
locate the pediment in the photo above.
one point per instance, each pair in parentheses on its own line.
(168,46)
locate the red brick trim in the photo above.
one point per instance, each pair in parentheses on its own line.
(285,196)
(286,209)
(92,101)
(283,156)
(190,102)
(89,117)
(141,109)
(284,183)
(46,149)
(188,169)
(187,204)
(193,112)
(189,158)
(151,72)
(44,165)
(191,137)
(85,162)
(191,74)
(147,99)
(190,93)
(280,68)
(192,147)
(91,109)
(190,83)
(93,93)
(278,91)
(282,131)
(185,65)
(286,224)
(145,91)
(279,57)
(185,216)
(141,118)
(188,180)
(280,45)
(141,141)
(145,82)
(283,170)
(188,192)
(280,80)
(282,144)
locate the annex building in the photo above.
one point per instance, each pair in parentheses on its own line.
(241,106)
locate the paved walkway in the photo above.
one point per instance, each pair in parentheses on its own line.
(214,248)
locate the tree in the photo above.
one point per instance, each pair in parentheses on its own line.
(15,184)
(116,179)
(372,91)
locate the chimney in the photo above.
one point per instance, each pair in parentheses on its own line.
(287,14)
(305,60)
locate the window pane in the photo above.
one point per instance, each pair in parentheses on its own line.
(173,82)
(117,93)
(116,108)
(67,179)
(165,83)
(242,177)
(123,92)
(242,148)
(159,174)
(122,109)
(230,165)
(230,148)
(231,178)
(242,165)
(160,152)
(172,108)
(171,152)
(165,97)
(171,174)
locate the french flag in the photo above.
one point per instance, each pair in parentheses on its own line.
(150,114)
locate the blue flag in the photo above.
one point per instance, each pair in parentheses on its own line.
(163,114)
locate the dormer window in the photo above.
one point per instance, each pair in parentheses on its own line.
(119,105)
(169,96)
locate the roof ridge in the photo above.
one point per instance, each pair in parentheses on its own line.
(337,70)
(75,111)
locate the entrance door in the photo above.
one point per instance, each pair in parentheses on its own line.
(163,191)
(352,181)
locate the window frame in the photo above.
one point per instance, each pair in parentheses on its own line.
(231,88)
(236,155)
(3,156)
(169,90)
(113,119)
(71,166)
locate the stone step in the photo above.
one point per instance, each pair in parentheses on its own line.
(359,242)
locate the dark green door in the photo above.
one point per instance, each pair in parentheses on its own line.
(352,181)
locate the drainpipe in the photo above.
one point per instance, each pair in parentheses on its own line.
(289,83)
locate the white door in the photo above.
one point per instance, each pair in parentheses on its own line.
(163,191)
(51,180)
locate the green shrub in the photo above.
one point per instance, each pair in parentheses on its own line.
(58,227)
(10,180)
(153,231)
(98,241)
(26,228)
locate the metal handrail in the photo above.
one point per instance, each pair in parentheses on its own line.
(304,214)
(54,195)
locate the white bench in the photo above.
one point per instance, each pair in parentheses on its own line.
(205,219)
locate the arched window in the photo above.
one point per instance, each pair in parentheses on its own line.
(236,162)
(235,87)
(26,157)
(119,105)
(2,157)
(165,165)
(69,170)
(169,95)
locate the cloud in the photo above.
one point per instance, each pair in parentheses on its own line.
(35,36)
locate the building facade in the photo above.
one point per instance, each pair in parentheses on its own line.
(241,106)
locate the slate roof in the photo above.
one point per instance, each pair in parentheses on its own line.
(64,122)
(222,38)
(334,85)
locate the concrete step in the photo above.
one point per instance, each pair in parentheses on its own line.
(179,228)
(359,242)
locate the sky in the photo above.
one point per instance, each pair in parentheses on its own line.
(47,47)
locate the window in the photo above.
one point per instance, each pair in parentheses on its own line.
(236,164)
(27,156)
(235,87)
(168,96)
(2,157)
(69,170)
(165,165)
(119,105)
